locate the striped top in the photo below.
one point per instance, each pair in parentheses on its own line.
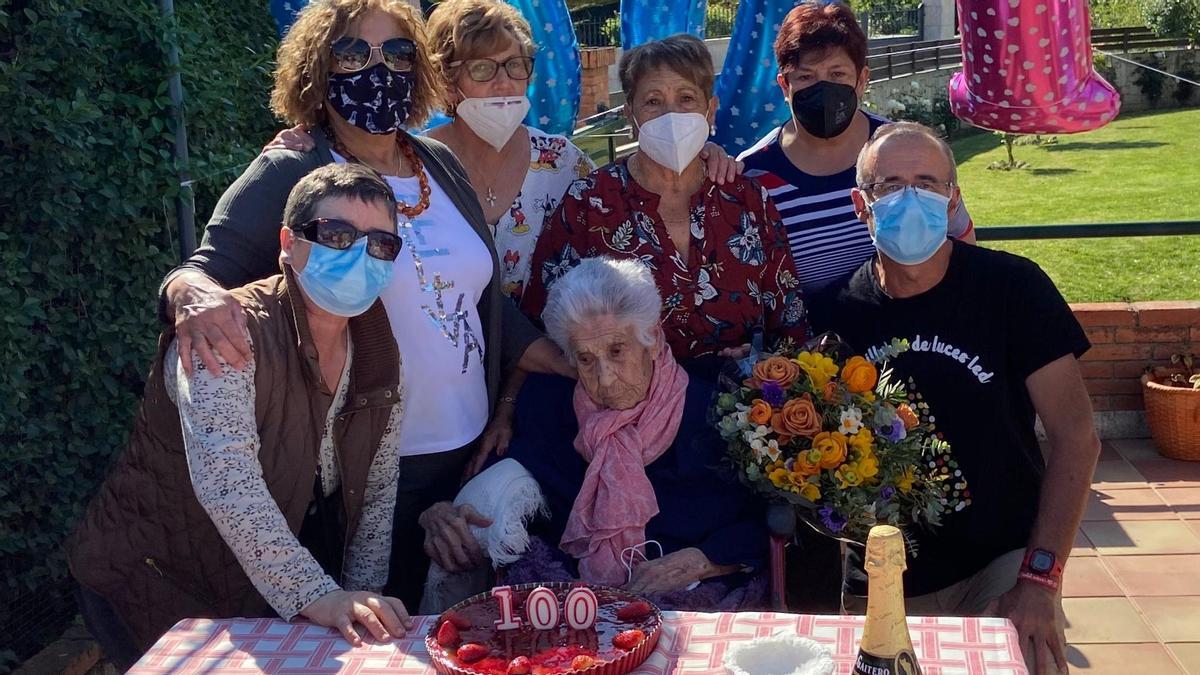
(827,240)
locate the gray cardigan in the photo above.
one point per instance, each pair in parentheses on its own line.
(241,240)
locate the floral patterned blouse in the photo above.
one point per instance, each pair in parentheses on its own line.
(738,279)
(554,163)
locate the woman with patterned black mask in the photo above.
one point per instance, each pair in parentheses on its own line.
(807,164)
(358,72)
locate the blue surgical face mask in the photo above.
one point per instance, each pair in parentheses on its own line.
(346,282)
(910,225)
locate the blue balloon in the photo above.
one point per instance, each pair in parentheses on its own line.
(646,20)
(751,104)
(284,12)
(554,88)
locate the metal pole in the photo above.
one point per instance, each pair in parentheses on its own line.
(185,204)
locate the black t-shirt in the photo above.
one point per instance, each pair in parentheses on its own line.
(974,338)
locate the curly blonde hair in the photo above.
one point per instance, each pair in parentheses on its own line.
(305,59)
(471,29)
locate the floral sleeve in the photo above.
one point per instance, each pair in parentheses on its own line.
(787,316)
(563,238)
(220,437)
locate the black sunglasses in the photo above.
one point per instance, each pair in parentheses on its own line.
(484,70)
(341,235)
(353,54)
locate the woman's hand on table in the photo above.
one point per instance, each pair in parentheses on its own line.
(675,571)
(297,138)
(384,617)
(208,319)
(448,538)
(719,166)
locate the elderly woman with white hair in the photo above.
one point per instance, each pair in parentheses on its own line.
(627,464)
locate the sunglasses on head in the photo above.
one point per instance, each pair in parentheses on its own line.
(353,54)
(341,235)
(484,70)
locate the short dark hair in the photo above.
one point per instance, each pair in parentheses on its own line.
(335,180)
(683,53)
(817,27)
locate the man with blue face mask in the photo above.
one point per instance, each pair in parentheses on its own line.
(992,345)
(267,491)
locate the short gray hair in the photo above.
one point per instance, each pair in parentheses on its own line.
(623,289)
(894,130)
(350,180)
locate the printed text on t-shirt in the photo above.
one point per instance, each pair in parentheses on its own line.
(937,346)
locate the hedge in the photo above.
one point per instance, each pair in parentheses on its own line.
(86,233)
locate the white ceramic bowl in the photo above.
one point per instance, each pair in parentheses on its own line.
(779,655)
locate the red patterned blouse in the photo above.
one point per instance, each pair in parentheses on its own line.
(738,280)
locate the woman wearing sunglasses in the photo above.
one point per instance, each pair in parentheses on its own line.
(268,490)
(357,72)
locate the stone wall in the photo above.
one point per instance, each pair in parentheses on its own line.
(1124,76)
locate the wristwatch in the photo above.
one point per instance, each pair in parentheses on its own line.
(1042,567)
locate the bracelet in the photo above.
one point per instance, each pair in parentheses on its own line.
(1046,582)
(509,400)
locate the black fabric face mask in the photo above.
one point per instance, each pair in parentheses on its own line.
(825,109)
(376,100)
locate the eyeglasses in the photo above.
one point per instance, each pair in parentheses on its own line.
(353,54)
(882,189)
(484,70)
(341,235)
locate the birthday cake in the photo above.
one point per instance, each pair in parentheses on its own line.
(544,629)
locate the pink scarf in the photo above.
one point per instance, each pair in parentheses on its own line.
(617,499)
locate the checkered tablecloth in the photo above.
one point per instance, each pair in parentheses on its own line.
(691,642)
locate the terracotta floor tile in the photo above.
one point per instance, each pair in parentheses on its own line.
(1145,575)
(1100,659)
(1131,504)
(1134,448)
(1184,501)
(1107,620)
(1117,475)
(1082,546)
(1088,578)
(1188,654)
(1175,619)
(1137,537)
(1169,472)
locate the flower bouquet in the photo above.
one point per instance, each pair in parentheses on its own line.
(836,437)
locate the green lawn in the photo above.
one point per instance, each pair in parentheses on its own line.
(1138,168)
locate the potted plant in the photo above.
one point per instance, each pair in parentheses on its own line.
(1173,407)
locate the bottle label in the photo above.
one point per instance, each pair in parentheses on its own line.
(903,663)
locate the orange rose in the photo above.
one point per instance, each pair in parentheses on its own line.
(907,416)
(777,369)
(797,418)
(760,412)
(859,375)
(832,446)
(830,392)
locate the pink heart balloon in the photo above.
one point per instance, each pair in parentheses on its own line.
(1027,68)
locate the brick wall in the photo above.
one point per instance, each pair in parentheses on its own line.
(1127,337)
(594,64)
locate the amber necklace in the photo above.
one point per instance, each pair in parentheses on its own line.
(404,145)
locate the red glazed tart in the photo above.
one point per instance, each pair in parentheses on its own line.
(626,631)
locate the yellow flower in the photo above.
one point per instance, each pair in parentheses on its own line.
(779,477)
(810,491)
(832,446)
(862,442)
(819,368)
(847,475)
(868,466)
(905,482)
(867,396)
(859,375)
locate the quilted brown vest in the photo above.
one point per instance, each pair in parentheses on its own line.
(146,544)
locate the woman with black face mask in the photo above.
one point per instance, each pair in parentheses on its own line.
(807,165)
(359,73)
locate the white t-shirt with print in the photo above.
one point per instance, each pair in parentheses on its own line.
(554,163)
(437,281)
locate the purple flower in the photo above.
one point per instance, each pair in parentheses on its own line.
(772,393)
(833,521)
(894,432)
(887,493)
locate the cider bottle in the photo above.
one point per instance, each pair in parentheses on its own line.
(886,648)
